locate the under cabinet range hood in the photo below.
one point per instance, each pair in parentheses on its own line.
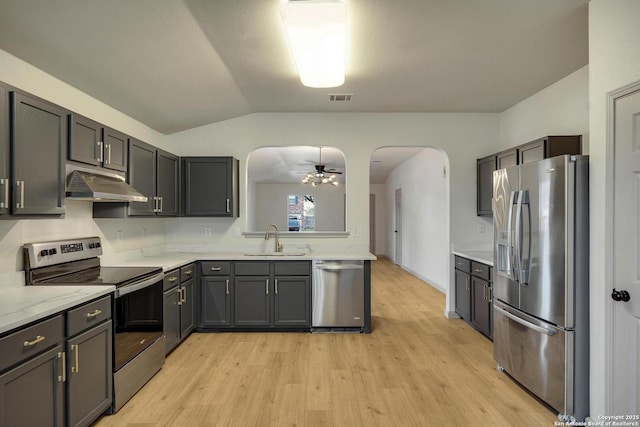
(84,184)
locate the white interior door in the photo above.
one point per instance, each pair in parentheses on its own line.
(626,255)
(398,230)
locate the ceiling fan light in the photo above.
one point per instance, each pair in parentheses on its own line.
(317,33)
(335,183)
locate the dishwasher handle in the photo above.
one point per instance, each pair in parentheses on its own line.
(338,267)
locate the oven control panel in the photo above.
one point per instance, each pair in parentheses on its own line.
(42,254)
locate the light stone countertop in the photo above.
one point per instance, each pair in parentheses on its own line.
(172,260)
(20,306)
(485,257)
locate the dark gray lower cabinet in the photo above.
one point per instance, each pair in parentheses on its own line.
(89,375)
(179,305)
(255,295)
(32,394)
(215,301)
(291,301)
(463,294)
(481,314)
(252,301)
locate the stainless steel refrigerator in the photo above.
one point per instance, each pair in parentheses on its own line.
(541,289)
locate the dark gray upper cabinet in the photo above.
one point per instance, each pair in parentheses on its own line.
(5,184)
(114,149)
(508,158)
(85,140)
(154,173)
(210,186)
(167,183)
(543,148)
(485,168)
(550,146)
(94,144)
(38,148)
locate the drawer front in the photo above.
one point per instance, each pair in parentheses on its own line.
(187,272)
(463,264)
(31,341)
(171,279)
(292,268)
(481,270)
(250,268)
(215,268)
(88,315)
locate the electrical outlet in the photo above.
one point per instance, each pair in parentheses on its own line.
(358,232)
(207,232)
(481,227)
(236,231)
(120,236)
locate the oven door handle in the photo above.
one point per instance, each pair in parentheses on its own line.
(139,285)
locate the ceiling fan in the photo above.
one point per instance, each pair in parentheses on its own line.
(322,174)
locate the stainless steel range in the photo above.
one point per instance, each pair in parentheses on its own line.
(138,347)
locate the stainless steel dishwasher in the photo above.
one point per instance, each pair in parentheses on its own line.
(338,295)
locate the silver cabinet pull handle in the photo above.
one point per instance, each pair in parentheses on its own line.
(188,272)
(62,378)
(93,314)
(99,158)
(276,286)
(183,293)
(20,204)
(38,338)
(477,270)
(467,282)
(172,279)
(227,286)
(215,268)
(5,202)
(484,292)
(76,349)
(228,206)
(109,153)
(159,204)
(266,287)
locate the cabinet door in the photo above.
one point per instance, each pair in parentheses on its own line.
(115,149)
(532,151)
(89,375)
(187,309)
(142,177)
(463,295)
(215,300)
(167,183)
(291,301)
(38,153)
(481,311)
(32,394)
(85,140)
(210,186)
(252,301)
(5,184)
(485,168)
(508,158)
(171,318)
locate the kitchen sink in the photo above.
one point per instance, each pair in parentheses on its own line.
(275,253)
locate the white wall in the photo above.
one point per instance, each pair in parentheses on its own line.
(425,211)
(271,205)
(381,224)
(614,53)
(560,109)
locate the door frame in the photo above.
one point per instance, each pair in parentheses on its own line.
(609,273)
(397,203)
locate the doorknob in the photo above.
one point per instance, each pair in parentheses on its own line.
(620,295)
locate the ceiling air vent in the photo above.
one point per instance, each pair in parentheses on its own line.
(340,97)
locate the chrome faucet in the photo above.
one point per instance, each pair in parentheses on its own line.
(266,237)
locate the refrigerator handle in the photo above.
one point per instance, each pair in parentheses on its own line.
(523,322)
(514,244)
(509,246)
(522,271)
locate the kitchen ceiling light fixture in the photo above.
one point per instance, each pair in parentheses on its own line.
(317,33)
(321,175)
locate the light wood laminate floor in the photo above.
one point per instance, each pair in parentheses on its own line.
(417,368)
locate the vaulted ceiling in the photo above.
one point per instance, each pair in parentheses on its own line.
(179,64)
